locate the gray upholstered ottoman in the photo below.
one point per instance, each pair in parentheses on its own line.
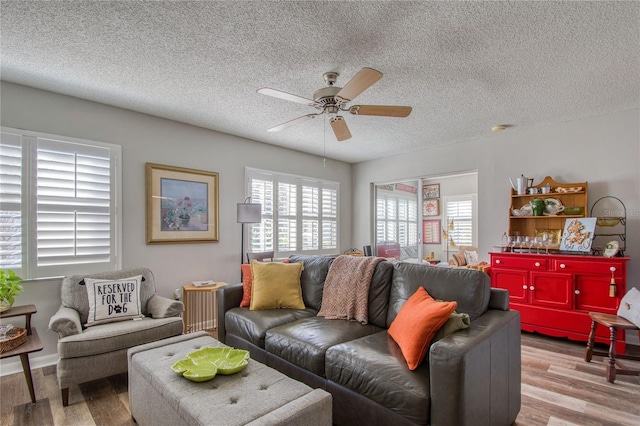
(258,395)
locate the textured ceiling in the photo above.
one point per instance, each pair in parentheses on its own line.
(462,66)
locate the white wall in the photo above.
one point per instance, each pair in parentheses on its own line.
(150,139)
(604,151)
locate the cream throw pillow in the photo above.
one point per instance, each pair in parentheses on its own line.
(113,300)
(276,285)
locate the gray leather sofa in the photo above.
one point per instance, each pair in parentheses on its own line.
(471,377)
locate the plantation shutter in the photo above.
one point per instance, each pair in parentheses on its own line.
(11,202)
(304,210)
(74,204)
(460,210)
(329,217)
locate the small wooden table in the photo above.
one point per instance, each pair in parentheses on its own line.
(200,307)
(33,343)
(613,323)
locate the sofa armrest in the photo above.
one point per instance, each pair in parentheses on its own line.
(499,299)
(475,373)
(229,296)
(162,307)
(65,322)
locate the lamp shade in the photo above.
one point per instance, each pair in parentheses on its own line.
(249,213)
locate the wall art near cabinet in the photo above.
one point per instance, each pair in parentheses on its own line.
(578,234)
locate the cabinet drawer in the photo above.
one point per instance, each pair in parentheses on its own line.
(520,263)
(587,267)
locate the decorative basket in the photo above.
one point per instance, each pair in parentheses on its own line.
(14,338)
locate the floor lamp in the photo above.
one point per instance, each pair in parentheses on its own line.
(248,213)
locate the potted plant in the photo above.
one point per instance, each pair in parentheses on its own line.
(9,288)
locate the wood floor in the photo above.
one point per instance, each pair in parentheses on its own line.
(558,388)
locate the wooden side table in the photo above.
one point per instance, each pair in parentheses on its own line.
(613,323)
(200,306)
(33,343)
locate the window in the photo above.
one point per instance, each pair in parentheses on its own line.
(460,219)
(58,201)
(396,218)
(299,214)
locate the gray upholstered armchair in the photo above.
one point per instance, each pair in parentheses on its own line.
(90,353)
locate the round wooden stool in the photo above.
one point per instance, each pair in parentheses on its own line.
(613,322)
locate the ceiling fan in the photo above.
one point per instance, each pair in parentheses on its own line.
(332,100)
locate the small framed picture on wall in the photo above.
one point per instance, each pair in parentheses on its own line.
(430,207)
(431,191)
(431,231)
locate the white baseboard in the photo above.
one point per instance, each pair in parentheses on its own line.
(13,366)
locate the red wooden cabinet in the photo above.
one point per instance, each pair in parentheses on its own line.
(555,293)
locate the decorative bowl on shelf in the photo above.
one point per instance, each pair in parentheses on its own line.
(607,221)
(574,210)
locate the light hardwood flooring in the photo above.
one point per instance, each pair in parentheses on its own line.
(558,388)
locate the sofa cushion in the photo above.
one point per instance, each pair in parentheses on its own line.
(253,325)
(304,342)
(115,336)
(469,287)
(417,322)
(312,278)
(373,366)
(276,285)
(379,294)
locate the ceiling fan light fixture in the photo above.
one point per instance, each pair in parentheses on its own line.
(332,99)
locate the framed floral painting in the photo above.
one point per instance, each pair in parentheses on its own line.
(182,205)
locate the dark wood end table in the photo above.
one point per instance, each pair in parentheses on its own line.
(33,343)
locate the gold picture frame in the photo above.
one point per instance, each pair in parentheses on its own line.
(182,205)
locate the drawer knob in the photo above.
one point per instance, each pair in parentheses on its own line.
(612,269)
(524,286)
(537,264)
(562,266)
(577,292)
(497,260)
(532,288)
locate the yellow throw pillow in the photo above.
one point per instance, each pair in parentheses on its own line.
(276,285)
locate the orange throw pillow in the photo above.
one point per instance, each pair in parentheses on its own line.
(247,282)
(416,323)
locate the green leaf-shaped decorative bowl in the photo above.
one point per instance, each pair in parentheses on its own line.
(205,363)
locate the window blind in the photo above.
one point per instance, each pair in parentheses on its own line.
(10,201)
(59,211)
(460,210)
(305,212)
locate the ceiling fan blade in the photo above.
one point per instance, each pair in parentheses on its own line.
(286,96)
(381,110)
(358,84)
(340,128)
(292,122)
